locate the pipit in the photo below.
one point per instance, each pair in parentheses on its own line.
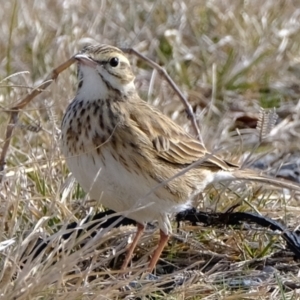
(127,153)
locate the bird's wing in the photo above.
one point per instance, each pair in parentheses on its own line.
(185,150)
(170,142)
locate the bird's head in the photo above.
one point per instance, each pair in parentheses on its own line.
(104,71)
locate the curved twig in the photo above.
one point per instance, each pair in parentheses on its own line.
(164,73)
(14,111)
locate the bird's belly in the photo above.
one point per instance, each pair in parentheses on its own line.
(119,188)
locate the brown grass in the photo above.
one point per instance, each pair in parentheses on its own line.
(230,58)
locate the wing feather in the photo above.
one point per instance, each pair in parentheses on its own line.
(187,151)
(171,143)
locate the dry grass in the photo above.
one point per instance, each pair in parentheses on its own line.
(230,58)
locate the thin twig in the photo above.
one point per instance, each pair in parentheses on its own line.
(163,72)
(14,111)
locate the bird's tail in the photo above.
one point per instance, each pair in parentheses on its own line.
(252,175)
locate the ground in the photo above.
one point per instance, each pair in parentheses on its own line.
(231,59)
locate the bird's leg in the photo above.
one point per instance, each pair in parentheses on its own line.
(140,230)
(161,245)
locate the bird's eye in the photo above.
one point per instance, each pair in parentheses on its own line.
(114,62)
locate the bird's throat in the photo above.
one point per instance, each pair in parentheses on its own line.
(91,86)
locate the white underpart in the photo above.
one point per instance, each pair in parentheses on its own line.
(122,191)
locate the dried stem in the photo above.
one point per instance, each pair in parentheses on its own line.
(163,73)
(14,111)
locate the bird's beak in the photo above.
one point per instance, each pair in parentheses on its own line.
(85,60)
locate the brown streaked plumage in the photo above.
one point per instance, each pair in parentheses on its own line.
(124,151)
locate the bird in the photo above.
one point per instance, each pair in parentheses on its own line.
(129,155)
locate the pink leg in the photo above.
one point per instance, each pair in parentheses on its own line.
(140,230)
(161,245)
